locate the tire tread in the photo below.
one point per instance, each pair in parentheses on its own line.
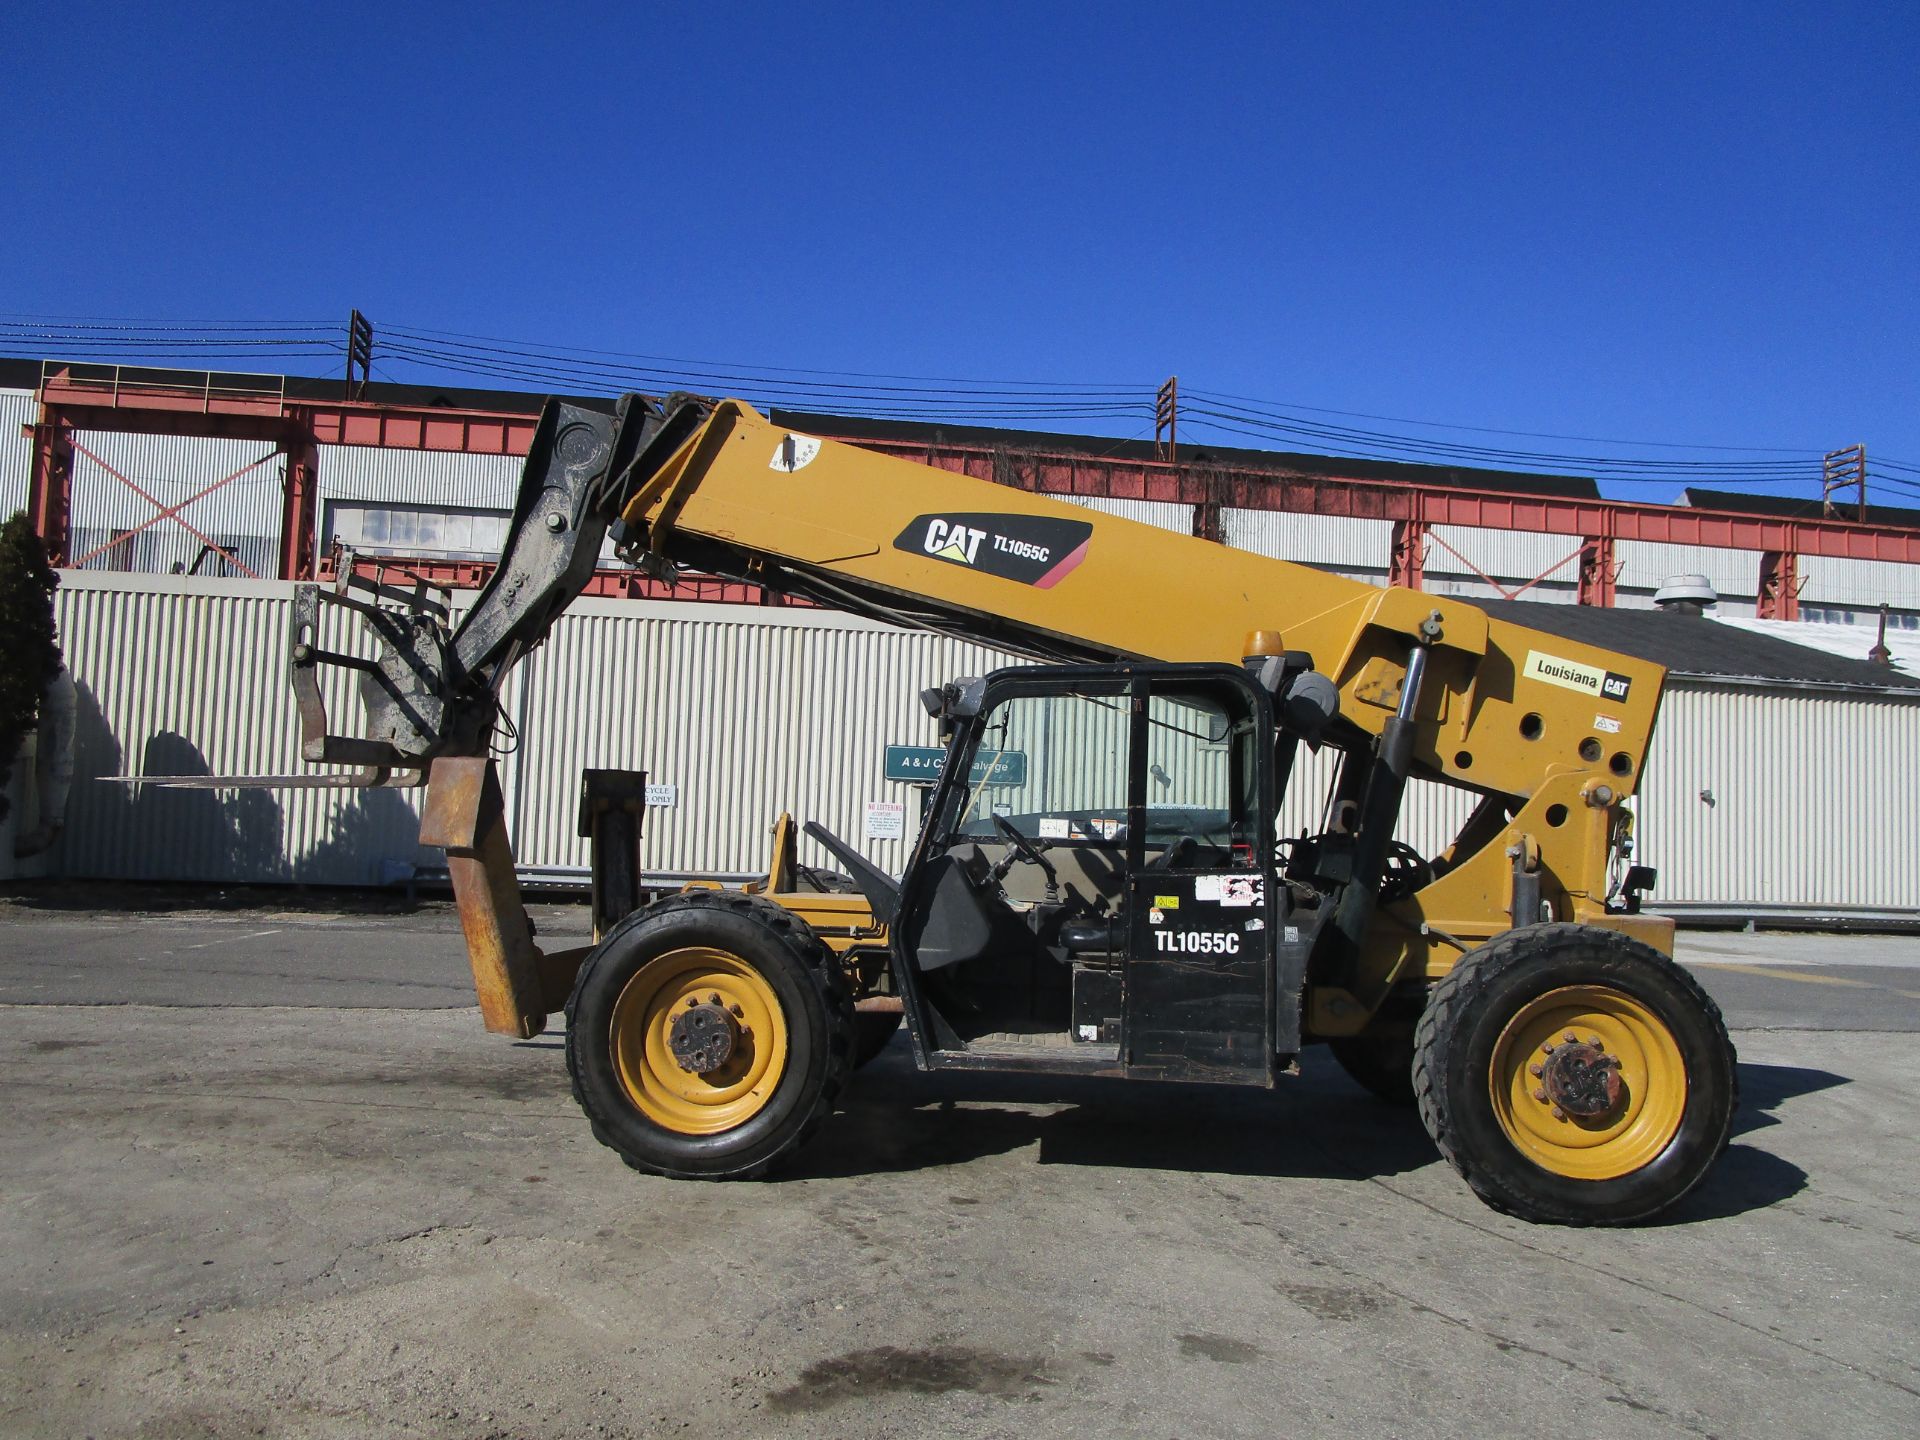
(1458,993)
(822,968)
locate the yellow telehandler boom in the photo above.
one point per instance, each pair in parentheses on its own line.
(1098,886)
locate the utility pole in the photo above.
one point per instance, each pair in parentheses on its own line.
(1166,421)
(1843,470)
(359,354)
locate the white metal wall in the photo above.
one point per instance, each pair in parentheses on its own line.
(1514,556)
(1864,583)
(16,452)
(747,712)
(1361,548)
(750,711)
(1780,797)
(1166,514)
(418,477)
(744,711)
(188,676)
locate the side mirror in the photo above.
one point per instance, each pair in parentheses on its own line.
(1309,705)
(956,700)
(1305,701)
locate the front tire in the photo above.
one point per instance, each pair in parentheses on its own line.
(1575,1076)
(708,1035)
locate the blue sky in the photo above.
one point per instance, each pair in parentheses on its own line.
(1667,222)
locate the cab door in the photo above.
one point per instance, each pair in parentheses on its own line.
(1198,995)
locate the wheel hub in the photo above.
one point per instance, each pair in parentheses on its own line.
(703,1036)
(1578,1077)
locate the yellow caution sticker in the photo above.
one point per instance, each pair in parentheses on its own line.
(1166,902)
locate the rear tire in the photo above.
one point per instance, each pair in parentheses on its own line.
(1494,1108)
(789,1047)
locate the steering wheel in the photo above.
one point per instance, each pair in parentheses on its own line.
(1181,852)
(1021,846)
(1406,871)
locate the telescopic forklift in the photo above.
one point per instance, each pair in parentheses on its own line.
(1099,886)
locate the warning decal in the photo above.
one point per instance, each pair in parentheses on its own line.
(794,452)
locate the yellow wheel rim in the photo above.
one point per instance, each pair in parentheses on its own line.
(659,1088)
(1652,1073)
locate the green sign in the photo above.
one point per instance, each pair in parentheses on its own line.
(921,765)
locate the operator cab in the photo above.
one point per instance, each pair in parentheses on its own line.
(1094,885)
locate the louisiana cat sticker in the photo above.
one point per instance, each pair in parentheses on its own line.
(1572,675)
(1036,550)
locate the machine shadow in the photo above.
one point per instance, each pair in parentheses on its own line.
(1749,1178)
(1315,1125)
(1764,1088)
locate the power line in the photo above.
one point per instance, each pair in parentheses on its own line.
(935,399)
(1374,445)
(766,369)
(1492,430)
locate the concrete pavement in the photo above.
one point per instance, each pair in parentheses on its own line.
(333,1209)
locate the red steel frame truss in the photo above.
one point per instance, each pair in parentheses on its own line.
(170,512)
(297,427)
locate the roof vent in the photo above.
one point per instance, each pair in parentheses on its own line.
(1685,594)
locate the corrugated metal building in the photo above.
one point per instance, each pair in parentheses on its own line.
(1781,778)
(749,712)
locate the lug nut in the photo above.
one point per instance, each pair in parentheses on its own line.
(736,1011)
(1547,1049)
(692,1001)
(1541,1096)
(1536,1071)
(1595,1043)
(1572,1039)
(1559,1114)
(713,999)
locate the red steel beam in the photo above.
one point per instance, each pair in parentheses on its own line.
(1779,586)
(157,410)
(1408,566)
(50,488)
(299,508)
(1598,571)
(394,427)
(1430,505)
(184,410)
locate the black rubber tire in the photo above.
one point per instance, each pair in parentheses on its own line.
(1453,1056)
(872,1029)
(1379,1061)
(814,999)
